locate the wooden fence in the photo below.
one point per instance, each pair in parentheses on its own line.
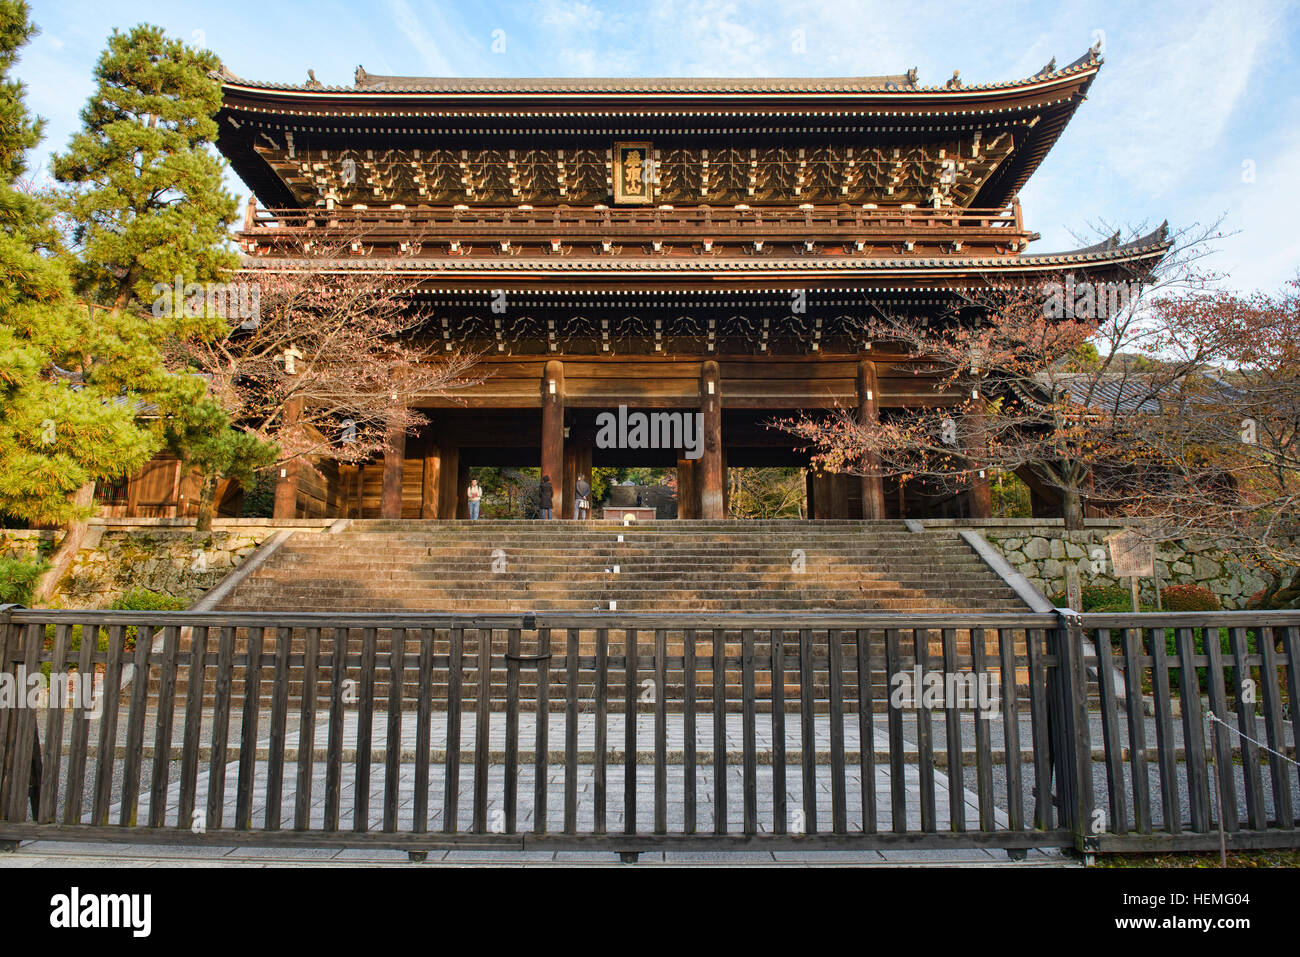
(639,732)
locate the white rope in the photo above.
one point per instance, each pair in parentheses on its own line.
(1211,716)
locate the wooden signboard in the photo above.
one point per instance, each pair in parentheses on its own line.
(1132,556)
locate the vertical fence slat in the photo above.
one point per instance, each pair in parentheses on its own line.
(52,759)
(162,741)
(1165,733)
(1283,810)
(1137,732)
(133,759)
(688,731)
(571,734)
(749,732)
(220,728)
(10,639)
(897,769)
(306,731)
(1198,785)
(924,734)
(1115,791)
(780,817)
(279,721)
(983,744)
(80,734)
(839,796)
(365,731)
(393,743)
(1291,640)
(542,748)
(24,740)
(334,741)
(630,668)
(866,730)
(1255,816)
(1011,729)
(248,730)
(1220,737)
(808,731)
(719,732)
(952,735)
(1044,817)
(451,778)
(423,714)
(661,731)
(602,727)
(511,797)
(482,729)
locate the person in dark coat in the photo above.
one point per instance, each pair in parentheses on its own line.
(544,497)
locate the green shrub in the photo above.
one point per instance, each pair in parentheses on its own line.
(1189,598)
(142,599)
(18,576)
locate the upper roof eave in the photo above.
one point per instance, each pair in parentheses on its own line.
(889,89)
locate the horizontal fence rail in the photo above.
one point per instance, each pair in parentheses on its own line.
(638,732)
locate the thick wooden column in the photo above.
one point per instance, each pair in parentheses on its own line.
(823,495)
(430,482)
(839,483)
(570,476)
(810,494)
(873,487)
(286,482)
(710,464)
(390,501)
(553,433)
(979,499)
(726,486)
(448,472)
(687,496)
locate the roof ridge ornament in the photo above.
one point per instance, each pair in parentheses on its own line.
(955,82)
(359,77)
(1050,68)
(313,82)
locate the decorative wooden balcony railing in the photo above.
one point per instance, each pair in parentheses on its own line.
(949,229)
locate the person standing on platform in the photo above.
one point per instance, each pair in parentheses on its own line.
(544,496)
(582,501)
(475,496)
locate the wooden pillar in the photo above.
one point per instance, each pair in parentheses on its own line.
(448,473)
(553,433)
(823,495)
(839,485)
(726,487)
(711,504)
(810,494)
(430,482)
(979,499)
(390,502)
(584,450)
(570,476)
(286,482)
(687,497)
(873,487)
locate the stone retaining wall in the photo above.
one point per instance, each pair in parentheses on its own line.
(1040,549)
(163,555)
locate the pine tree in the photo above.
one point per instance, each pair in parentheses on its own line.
(150,214)
(61,430)
(146,196)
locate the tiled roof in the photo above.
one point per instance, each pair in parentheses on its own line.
(904,83)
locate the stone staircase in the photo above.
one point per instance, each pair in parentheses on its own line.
(556,567)
(685,566)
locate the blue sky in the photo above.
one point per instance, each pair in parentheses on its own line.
(1194,98)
